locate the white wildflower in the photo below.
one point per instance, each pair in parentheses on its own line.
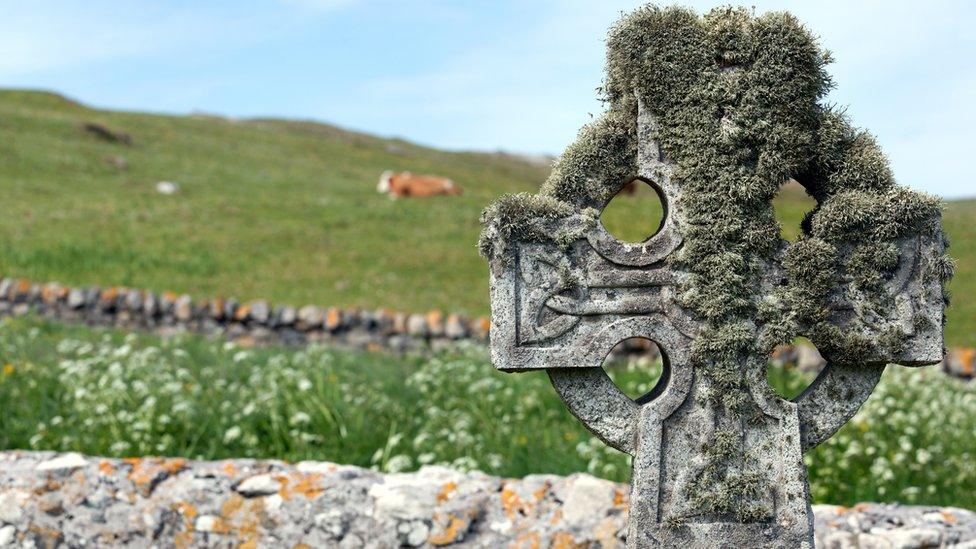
(232,434)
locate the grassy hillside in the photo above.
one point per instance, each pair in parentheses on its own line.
(281,210)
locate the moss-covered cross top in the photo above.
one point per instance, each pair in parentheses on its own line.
(717,112)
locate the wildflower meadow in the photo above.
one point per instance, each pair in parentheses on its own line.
(114,394)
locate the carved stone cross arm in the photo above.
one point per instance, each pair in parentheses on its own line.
(712,114)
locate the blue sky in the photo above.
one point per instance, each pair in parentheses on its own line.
(517,75)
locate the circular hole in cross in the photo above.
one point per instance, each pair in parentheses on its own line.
(638,368)
(635,213)
(790,206)
(792,368)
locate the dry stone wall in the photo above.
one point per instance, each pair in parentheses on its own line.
(254,322)
(259,322)
(50,500)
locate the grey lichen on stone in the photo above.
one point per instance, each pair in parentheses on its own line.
(717,112)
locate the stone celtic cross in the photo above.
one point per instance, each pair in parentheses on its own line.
(716,112)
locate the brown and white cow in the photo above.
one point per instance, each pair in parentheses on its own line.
(406,184)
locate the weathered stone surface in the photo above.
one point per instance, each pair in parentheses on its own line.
(287,316)
(417,325)
(310,317)
(435,323)
(133,300)
(333,319)
(894,526)
(166,302)
(481,327)
(717,456)
(400,322)
(230,309)
(259,485)
(51,293)
(260,311)
(108,299)
(150,306)
(104,502)
(456,327)
(183,308)
(7,535)
(76,298)
(66,461)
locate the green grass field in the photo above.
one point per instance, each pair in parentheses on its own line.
(112,394)
(280,210)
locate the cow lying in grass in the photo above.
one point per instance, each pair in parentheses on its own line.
(404,184)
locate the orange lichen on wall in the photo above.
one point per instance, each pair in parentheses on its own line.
(333,318)
(446,491)
(511,502)
(309,485)
(451,533)
(967,360)
(105,467)
(231,506)
(229,469)
(528,540)
(564,540)
(146,473)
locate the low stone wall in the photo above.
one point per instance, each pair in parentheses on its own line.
(259,322)
(49,499)
(255,322)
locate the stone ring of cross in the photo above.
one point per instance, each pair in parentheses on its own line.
(716,113)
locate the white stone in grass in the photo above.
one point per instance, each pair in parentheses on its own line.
(66,461)
(258,485)
(167,187)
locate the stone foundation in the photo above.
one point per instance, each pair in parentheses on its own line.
(49,499)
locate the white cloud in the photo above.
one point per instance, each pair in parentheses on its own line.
(50,35)
(529,91)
